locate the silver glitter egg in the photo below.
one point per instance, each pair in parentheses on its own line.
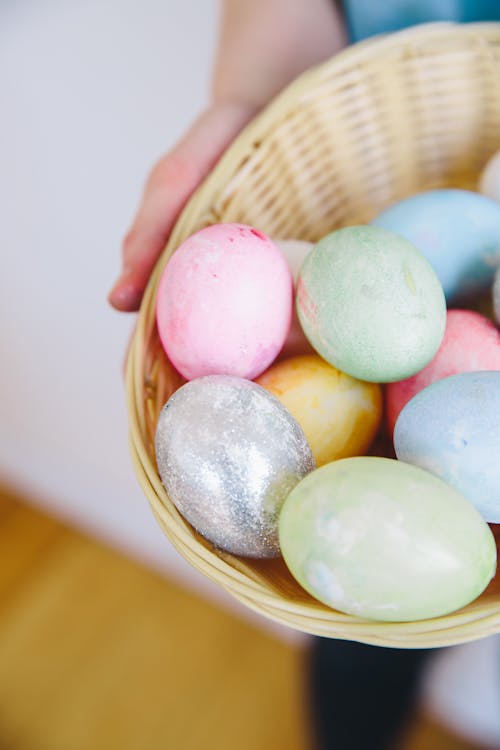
(228,454)
(496,296)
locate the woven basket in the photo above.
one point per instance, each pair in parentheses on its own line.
(386,118)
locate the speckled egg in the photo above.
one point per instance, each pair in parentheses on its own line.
(489,181)
(224,303)
(458,231)
(452,428)
(471,342)
(370,304)
(228,453)
(339,415)
(385,540)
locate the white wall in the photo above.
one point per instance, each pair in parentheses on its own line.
(91,93)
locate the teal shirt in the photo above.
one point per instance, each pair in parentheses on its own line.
(366,18)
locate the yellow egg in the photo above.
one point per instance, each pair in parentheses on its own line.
(338,414)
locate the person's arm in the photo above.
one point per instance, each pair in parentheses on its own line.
(264,44)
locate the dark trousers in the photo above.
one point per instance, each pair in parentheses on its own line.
(361,696)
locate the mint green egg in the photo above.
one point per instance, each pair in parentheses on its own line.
(384,540)
(371,304)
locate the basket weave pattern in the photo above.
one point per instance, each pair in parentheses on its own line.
(383,120)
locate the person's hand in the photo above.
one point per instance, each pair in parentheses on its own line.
(171,182)
(264,44)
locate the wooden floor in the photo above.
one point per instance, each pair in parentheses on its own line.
(97,652)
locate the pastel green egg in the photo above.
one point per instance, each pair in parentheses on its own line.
(371,304)
(385,540)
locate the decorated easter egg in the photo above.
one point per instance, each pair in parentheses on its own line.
(224,303)
(370,304)
(452,428)
(458,232)
(339,415)
(471,342)
(295,252)
(228,453)
(385,540)
(496,296)
(489,181)
(296,342)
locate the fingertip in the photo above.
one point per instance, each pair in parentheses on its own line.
(125,296)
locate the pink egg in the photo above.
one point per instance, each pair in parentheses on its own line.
(471,343)
(295,252)
(224,303)
(296,342)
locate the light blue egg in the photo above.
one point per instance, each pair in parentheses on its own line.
(458,232)
(452,429)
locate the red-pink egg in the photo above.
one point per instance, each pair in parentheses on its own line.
(224,303)
(471,343)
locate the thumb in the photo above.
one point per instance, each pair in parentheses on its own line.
(171,182)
